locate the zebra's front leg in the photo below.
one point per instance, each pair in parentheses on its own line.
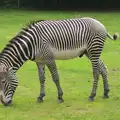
(53,70)
(95,83)
(103,72)
(41,73)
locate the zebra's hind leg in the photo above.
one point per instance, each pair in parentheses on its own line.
(103,72)
(96,74)
(95,83)
(41,73)
(53,70)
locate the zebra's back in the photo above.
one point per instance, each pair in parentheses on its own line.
(68,39)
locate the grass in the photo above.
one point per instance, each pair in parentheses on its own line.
(75,75)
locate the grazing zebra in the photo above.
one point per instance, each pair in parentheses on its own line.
(50,40)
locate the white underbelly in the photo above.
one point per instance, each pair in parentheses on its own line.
(67,54)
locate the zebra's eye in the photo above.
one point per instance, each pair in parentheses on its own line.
(3,81)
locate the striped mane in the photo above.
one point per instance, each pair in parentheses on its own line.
(19,34)
(32,23)
(27,26)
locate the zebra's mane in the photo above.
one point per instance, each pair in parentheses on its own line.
(17,36)
(26,28)
(31,23)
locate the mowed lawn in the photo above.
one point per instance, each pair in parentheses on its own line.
(75,75)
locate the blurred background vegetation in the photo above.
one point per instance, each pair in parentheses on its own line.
(62,4)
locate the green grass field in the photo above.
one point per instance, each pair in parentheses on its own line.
(75,75)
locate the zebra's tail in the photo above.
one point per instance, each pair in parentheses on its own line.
(114,37)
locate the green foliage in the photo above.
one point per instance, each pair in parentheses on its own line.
(75,76)
(61,4)
(8,3)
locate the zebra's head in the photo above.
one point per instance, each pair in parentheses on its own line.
(8,84)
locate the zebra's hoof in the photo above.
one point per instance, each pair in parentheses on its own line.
(90,99)
(39,100)
(105,97)
(60,100)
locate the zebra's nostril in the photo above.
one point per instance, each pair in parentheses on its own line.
(9,102)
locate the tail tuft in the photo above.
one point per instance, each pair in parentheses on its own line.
(115,36)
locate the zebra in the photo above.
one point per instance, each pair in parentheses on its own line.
(46,41)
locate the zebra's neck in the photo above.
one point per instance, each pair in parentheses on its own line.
(14,55)
(21,48)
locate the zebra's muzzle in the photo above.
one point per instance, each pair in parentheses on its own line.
(5,103)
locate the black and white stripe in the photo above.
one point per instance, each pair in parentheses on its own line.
(46,41)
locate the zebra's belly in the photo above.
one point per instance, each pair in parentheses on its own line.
(67,54)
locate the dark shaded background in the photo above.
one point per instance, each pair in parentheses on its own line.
(62,4)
